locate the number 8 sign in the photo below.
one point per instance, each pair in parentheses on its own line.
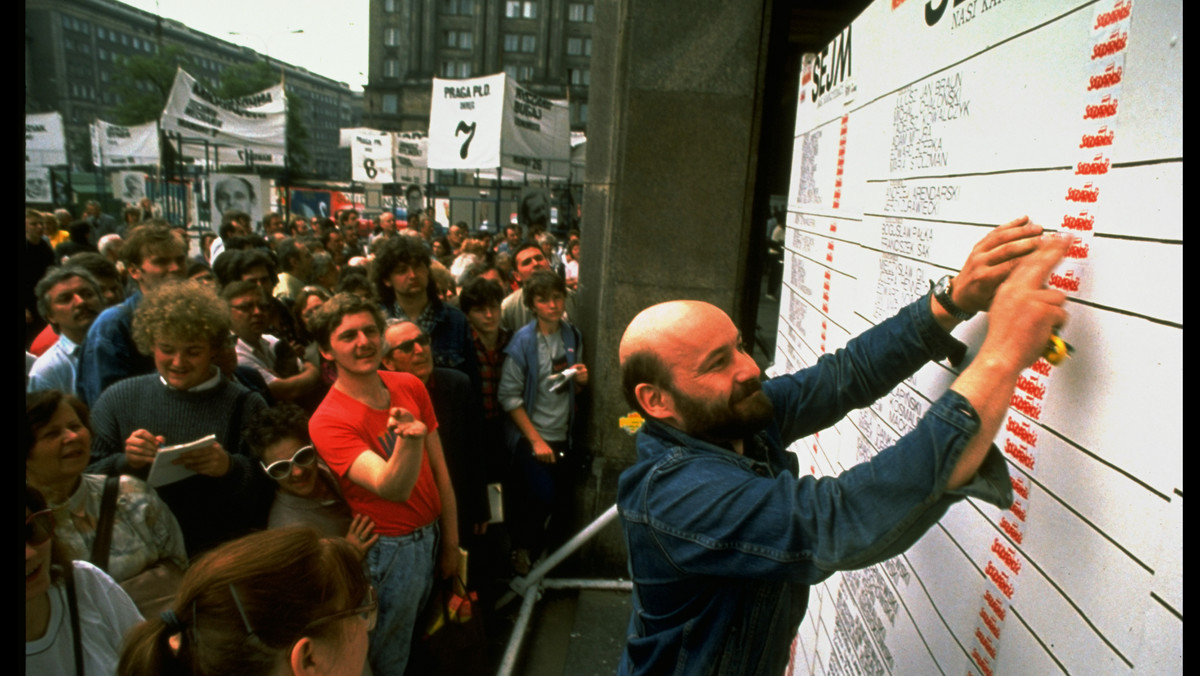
(371,156)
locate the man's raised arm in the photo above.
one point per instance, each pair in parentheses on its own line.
(393,478)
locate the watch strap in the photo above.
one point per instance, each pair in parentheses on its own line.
(941,293)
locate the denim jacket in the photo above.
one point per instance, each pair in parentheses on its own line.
(449,335)
(109,353)
(723,547)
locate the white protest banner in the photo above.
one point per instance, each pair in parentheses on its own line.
(411,158)
(246,156)
(115,145)
(465,118)
(536,133)
(346,135)
(371,156)
(45,144)
(249,129)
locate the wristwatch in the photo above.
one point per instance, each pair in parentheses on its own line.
(941,292)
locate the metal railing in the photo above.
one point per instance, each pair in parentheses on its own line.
(530,587)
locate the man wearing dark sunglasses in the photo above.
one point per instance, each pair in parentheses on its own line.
(460,417)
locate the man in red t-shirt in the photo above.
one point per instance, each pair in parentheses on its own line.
(378,433)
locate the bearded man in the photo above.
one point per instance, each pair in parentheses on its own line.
(725,536)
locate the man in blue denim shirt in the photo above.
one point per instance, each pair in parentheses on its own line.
(725,537)
(153,255)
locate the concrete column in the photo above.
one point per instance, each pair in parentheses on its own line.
(669,189)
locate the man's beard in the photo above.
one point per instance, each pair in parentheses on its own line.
(746,412)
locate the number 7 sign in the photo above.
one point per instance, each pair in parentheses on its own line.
(465,119)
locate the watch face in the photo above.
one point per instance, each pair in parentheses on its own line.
(943,286)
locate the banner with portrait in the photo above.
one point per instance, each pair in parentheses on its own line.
(116,145)
(45,143)
(238,192)
(245,130)
(128,186)
(37,185)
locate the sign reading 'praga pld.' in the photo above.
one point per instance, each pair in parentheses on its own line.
(490,122)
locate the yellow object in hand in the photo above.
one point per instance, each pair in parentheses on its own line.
(1058,350)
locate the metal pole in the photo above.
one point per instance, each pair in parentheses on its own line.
(520,584)
(499,185)
(601,585)
(509,662)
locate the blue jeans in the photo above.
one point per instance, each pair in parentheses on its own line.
(402,570)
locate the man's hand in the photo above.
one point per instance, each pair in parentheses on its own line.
(211,460)
(405,424)
(581,375)
(542,452)
(991,261)
(1023,315)
(1025,312)
(448,561)
(141,447)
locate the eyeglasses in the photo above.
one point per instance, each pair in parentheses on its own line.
(39,527)
(280,469)
(368,611)
(407,346)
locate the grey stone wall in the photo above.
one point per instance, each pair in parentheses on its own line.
(672,155)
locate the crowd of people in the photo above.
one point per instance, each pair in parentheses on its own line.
(338,403)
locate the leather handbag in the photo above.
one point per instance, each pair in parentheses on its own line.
(152,590)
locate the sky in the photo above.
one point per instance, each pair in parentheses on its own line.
(333,44)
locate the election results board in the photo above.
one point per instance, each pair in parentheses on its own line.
(924,124)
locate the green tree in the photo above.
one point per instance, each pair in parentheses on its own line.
(143,83)
(249,78)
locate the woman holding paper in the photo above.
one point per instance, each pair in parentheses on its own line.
(223,493)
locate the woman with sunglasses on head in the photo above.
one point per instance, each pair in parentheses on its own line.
(75,615)
(283,601)
(307,493)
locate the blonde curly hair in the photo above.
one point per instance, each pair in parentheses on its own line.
(184,310)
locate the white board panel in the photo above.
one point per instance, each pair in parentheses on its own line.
(923,125)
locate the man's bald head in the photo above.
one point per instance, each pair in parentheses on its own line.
(657,331)
(683,363)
